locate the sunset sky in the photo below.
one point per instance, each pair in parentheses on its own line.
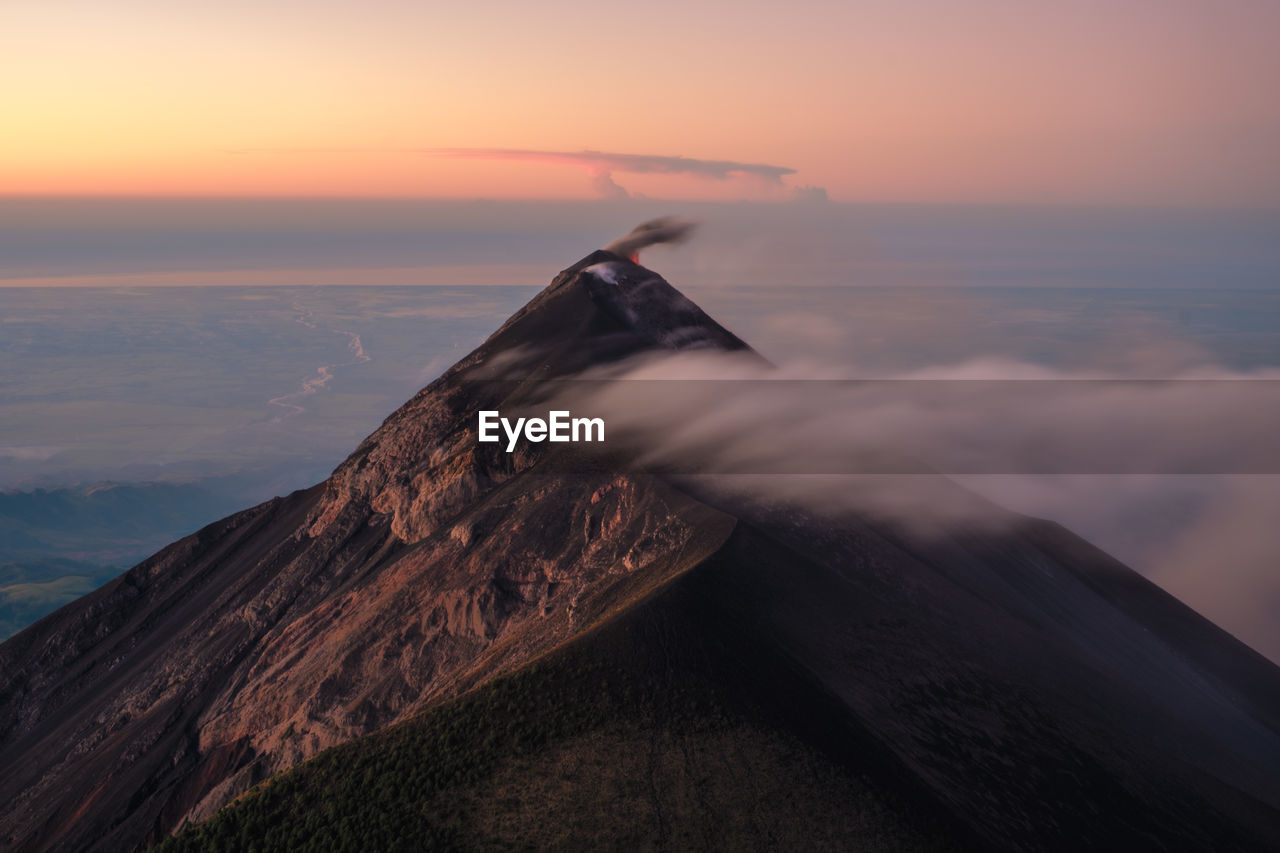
(1146,102)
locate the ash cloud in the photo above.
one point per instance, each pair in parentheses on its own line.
(603,164)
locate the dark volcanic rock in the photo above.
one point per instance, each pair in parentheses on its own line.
(1039,692)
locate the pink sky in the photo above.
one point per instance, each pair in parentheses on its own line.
(1124,101)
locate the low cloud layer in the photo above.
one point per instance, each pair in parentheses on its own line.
(729,414)
(603,164)
(1224,562)
(1178,476)
(1211,540)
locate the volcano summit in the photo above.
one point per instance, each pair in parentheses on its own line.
(483,651)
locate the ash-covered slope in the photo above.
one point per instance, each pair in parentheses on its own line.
(1025,687)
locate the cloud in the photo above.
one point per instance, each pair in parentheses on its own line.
(1224,562)
(810,194)
(30,453)
(602,165)
(984,416)
(1211,541)
(606,187)
(1180,477)
(878,445)
(631,163)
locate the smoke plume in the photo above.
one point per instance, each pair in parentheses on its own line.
(664,229)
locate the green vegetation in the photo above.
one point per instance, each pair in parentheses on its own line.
(640,735)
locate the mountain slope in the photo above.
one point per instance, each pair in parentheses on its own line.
(754,702)
(1017,690)
(329,613)
(670,725)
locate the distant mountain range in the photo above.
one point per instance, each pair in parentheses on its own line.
(486,650)
(58,544)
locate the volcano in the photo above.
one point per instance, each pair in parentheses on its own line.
(481,650)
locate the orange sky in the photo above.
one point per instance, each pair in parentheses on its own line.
(1124,101)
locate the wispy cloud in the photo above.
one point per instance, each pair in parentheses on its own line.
(632,163)
(603,164)
(1178,475)
(600,164)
